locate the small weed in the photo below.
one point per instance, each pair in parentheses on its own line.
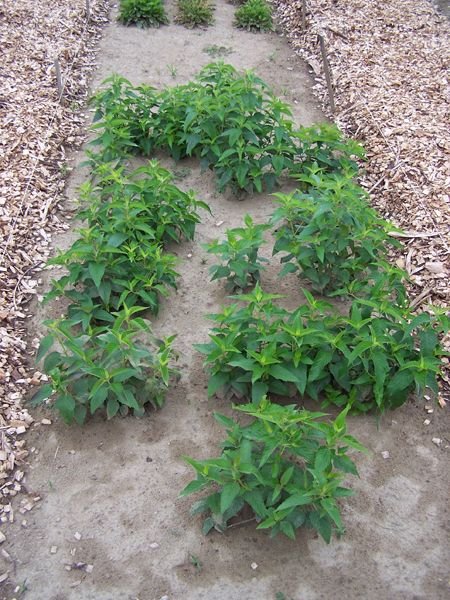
(142,13)
(217,51)
(181,173)
(195,13)
(254,15)
(172,70)
(195,561)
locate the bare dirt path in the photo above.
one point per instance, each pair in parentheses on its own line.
(110,490)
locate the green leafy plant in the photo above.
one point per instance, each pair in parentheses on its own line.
(241,265)
(372,359)
(143,204)
(232,123)
(194,13)
(254,15)
(123,120)
(328,232)
(105,367)
(142,13)
(287,466)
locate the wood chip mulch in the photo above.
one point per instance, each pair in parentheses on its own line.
(389,65)
(36,132)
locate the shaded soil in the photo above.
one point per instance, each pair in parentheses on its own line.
(117,483)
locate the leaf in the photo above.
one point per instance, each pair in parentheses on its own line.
(42,394)
(281,373)
(193,487)
(322,460)
(66,406)
(296,500)
(345,464)
(51,361)
(259,390)
(96,271)
(216,382)
(256,501)
(98,398)
(112,408)
(80,413)
(228,494)
(44,346)
(285,478)
(287,529)
(332,510)
(322,525)
(208,524)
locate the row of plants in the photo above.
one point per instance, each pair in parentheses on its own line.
(253,15)
(231,122)
(102,353)
(286,465)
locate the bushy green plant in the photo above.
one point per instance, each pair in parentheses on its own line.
(232,123)
(328,232)
(113,271)
(373,358)
(142,13)
(241,265)
(254,15)
(142,204)
(123,120)
(324,145)
(287,466)
(193,13)
(105,367)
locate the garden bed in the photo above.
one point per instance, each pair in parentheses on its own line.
(109,490)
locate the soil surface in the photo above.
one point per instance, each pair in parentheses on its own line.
(110,489)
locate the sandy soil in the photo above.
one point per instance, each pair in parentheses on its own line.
(117,483)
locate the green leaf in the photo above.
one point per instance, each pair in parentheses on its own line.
(51,361)
(345,464)
(322,526)
(44,346)
(193,487)
(96,271)
(322,460)
(98,398)
(287,529)
(112,408)
(259,390)
(42,394)
(208,524)
(285,478)
(80,413)
(281,373)
(216,382)
(332,510)
(66,406)
(296,500)
(228,494)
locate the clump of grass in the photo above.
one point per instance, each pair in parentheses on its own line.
(142,13)
(254,15)
(194,13)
